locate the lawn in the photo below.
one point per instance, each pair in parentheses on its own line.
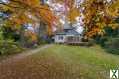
(63,62)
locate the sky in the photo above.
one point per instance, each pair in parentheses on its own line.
(4,1)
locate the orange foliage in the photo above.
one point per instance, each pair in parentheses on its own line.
(97,16)
(21,9)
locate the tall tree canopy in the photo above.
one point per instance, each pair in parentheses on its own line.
(24,11)
(99,14)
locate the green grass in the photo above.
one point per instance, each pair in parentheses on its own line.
(81,62)
(66,62)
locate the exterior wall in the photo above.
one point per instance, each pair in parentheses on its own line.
(57,40)
(73,39)
(68,39)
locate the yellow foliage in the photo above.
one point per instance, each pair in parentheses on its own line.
(22,8)
(113,10)
(73,13)
(98,15)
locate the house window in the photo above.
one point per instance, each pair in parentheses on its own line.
(60,37)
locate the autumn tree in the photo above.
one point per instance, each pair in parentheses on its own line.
(71,10)
(27,11)
(98,15)
(23,11)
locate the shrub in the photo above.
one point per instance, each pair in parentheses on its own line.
(101,40)
(112,46)
(9,47)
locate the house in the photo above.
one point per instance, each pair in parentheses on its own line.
(68,36)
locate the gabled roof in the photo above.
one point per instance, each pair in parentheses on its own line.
(69,31)
(72,31)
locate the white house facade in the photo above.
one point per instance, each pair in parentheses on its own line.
(68,36)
